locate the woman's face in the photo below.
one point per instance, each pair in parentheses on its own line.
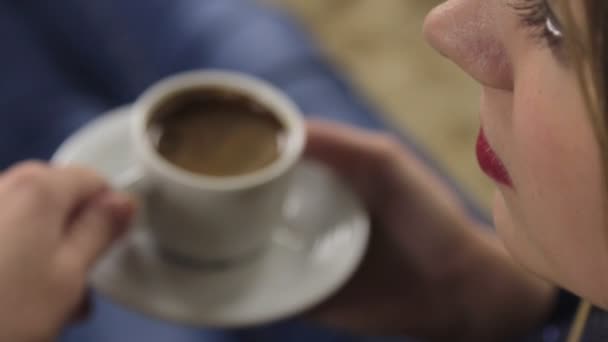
(539,144)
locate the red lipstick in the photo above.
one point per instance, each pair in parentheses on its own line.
(489,162)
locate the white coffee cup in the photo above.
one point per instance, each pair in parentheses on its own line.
(209,218)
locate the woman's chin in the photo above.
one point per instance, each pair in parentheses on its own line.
(503,222)
(519,241)
(512,235)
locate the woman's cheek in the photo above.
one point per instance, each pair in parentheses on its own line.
(560,198)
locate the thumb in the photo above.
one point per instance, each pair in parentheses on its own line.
(367,160)
(349,151)
(98,224)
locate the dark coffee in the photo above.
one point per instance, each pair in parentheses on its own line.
(217,132)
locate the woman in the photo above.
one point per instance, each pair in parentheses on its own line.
(430,271)
(543,141)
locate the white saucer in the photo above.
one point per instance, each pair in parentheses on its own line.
(307,261)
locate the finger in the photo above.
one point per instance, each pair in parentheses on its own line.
(25,176)
(352,152)
(99,223)
(30,187)
(56,192)
(328,140)
(28,168)
(75,186)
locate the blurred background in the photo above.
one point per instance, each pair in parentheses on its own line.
(379,46)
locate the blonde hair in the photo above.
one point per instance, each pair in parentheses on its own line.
(587,48)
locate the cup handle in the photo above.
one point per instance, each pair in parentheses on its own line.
(131,181)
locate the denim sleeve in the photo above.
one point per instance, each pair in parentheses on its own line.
(38,104)
(115,49)
(124,46)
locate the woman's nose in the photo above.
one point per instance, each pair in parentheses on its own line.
(468,32)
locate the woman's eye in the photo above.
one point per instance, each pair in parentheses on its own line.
(538,15)
(553,27)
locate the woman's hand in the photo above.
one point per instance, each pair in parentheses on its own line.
(430,271)
(54,224)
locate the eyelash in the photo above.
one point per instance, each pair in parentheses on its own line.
(537,15)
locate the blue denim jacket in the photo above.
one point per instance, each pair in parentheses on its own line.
(65,62)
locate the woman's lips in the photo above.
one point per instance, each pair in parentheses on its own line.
(489,162)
